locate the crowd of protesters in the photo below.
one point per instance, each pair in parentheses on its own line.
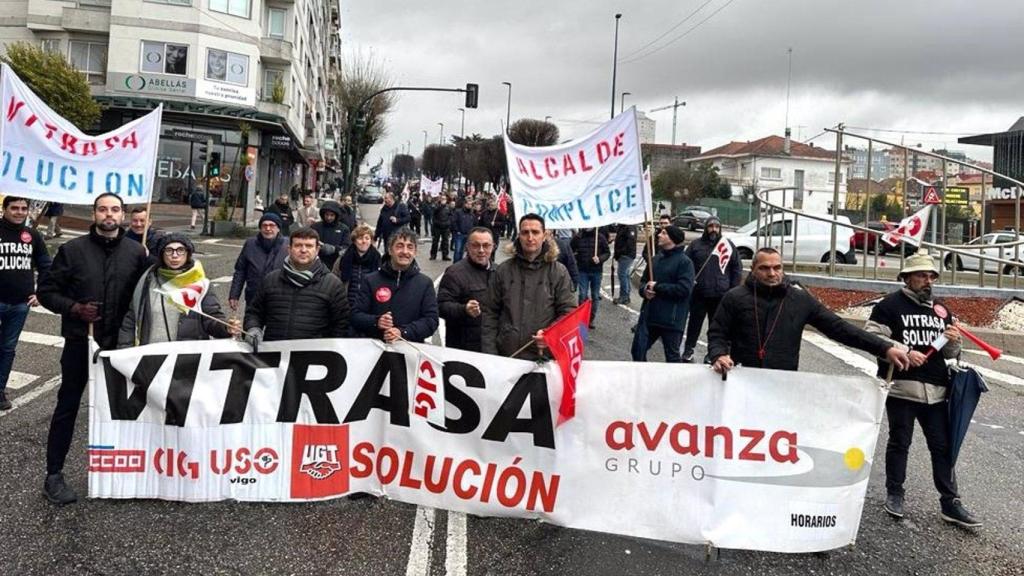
(314,271)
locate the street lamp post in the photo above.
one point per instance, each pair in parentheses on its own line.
(424,140)
(622,101)
(441,139)
(615,61)
(508,108)
(462,127)
(547,118)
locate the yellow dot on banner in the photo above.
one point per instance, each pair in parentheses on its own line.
(854,458)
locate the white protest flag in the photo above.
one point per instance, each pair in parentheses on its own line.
(593,181)
(45,157)
(723,251)
(910,230)
(428,397)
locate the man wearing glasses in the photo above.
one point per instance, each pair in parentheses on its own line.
(462,287)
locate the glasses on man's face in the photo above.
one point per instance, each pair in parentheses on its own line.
(480,246)
(171,251)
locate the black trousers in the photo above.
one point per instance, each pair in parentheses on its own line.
(670,342)
(700,307)
(74,367)
(934,420)
(442,235)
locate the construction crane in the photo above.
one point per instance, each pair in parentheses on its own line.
(675,115)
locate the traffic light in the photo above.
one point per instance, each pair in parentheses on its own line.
(214,167)
(472,94)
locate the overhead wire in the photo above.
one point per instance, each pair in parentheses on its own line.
(667,32)
(677,38)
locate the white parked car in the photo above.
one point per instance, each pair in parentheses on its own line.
(813,239)
(969,263)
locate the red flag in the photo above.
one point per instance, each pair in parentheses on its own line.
(503,203)
(566,339)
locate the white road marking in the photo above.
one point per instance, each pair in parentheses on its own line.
(422,535)
(44,339)
(211,241)
(221,280)
(850,358)
(990,374)
(992,426)
(32,395)
(18,380)
(455,560)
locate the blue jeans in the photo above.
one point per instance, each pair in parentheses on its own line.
(12,320)
(460,246)
(590,289)
(625,266)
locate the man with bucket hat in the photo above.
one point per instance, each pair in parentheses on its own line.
(910,318)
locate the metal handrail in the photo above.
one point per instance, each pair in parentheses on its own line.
(828,219)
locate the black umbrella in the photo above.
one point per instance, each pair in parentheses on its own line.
(964,392)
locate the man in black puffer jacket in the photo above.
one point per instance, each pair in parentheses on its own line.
(760,323)
(397,302)
(335,235)
(463,287)
(90,285)
(711,282)
(300,300)
(259,256)
(393,216)
(442,222)
(666,298)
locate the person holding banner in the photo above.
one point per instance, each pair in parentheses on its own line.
(302,299)
(172,302)
(398,301)
(909,319)
(590,249)
(259,256)
(527,293)
(22,250)
(760,323)
(666,298)
(462,287)
(90,285)
(719,271)
(138,225)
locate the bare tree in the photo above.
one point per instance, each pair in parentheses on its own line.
(360,77)
(530,132)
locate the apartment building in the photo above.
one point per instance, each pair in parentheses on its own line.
(252,77)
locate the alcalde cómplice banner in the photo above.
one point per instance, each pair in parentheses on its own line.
(769,460)
(592,181)
(45,157)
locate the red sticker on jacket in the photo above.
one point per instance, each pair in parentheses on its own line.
(26,237)
(383,294)
(940,311)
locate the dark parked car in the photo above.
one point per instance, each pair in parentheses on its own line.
(691,219)
(371,196)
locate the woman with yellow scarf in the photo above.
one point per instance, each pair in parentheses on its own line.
(173,300)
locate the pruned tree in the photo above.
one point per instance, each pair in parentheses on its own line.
(495,163)
(403,166)
(689,183)
(360,77)
(530,132)
(438,161)
(55,81)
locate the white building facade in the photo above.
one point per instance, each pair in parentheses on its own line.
(766,164)
(252,77)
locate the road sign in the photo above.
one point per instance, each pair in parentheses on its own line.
(957,196)
(931,196)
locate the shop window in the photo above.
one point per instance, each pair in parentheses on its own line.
(164,58)
(89,58)
(227,67)
(238,8)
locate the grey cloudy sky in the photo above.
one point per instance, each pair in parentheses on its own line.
(926,65)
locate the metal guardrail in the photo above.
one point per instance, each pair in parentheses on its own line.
(1004,266)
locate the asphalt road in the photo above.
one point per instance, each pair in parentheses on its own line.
(385,537)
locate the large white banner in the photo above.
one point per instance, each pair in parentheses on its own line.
(434,188)
(45,157)
(767,460)
(593,181)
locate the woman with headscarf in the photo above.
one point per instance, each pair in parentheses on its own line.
(160,307)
